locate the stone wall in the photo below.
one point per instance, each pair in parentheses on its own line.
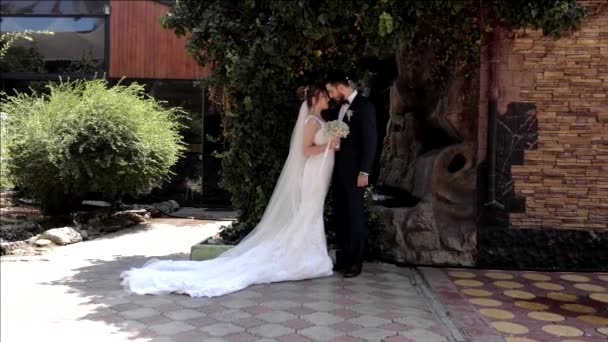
(553,126)
(552,151)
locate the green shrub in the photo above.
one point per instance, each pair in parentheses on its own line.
(374,244)
(84,138)
(5,181)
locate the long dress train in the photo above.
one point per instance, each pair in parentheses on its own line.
(286,245)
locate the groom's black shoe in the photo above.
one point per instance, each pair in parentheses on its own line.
(338,267)
(352,271)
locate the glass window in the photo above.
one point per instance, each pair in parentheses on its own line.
(53,7)
(197,173)
(167,2)
(66,45)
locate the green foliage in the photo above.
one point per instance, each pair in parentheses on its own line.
(85,64)
(84,138)
(375,246)
(550,16)
(5,179)
(22,59)
(7,39)
(261,51)
(29,59)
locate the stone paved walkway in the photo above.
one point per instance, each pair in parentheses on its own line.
(73,294)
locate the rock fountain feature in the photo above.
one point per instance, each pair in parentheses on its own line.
(427,210)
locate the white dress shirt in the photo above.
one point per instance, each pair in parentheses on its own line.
(345,106)
(343,111)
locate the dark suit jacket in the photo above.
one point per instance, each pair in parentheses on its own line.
(357,151)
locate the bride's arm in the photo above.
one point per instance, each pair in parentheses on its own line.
(310,149)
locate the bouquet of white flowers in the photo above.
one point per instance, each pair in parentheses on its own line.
(335,129)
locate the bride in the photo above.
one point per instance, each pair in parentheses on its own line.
(289,241)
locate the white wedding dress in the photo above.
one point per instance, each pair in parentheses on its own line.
(288,243)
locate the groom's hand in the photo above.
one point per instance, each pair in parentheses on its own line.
(362,180)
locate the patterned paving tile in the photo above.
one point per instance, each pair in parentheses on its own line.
(372,334)
(222,329)
(294,338)
(248,323)
(238,303)
(154,320)
(240,337)
(347,339)
(345,313)
(271,330)
(193,303)
(151,301)
(183,315)
(345,326)
(369,321)
(279,304)
(276,316)
(297,324)
(322,318)
(171,328)
(532,306)
(202,321)
(323,306)
(319,333)
(300,311)
(423,335)
(257,309)
(139,313)
(230,315)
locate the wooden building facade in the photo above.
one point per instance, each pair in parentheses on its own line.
(121,41)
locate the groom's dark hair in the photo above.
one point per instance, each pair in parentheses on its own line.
(336,78)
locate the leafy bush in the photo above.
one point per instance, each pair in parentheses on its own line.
(85,138)
(374,246)
(5,181)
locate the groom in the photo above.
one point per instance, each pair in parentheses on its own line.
(353,165)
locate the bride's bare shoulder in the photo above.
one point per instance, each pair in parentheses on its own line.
(316,120)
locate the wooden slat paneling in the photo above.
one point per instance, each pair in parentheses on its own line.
(141,48)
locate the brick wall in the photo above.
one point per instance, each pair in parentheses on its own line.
(564,176)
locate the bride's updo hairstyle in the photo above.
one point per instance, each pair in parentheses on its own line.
(307,93)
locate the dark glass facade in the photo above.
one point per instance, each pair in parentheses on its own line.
(53,7)
(68,45)
(65,38)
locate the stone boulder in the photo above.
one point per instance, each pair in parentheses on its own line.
(19,231)
(43,242)
(166,207)
(8,198)
(62,236)
(96,204)
(134,216)
(15,248)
